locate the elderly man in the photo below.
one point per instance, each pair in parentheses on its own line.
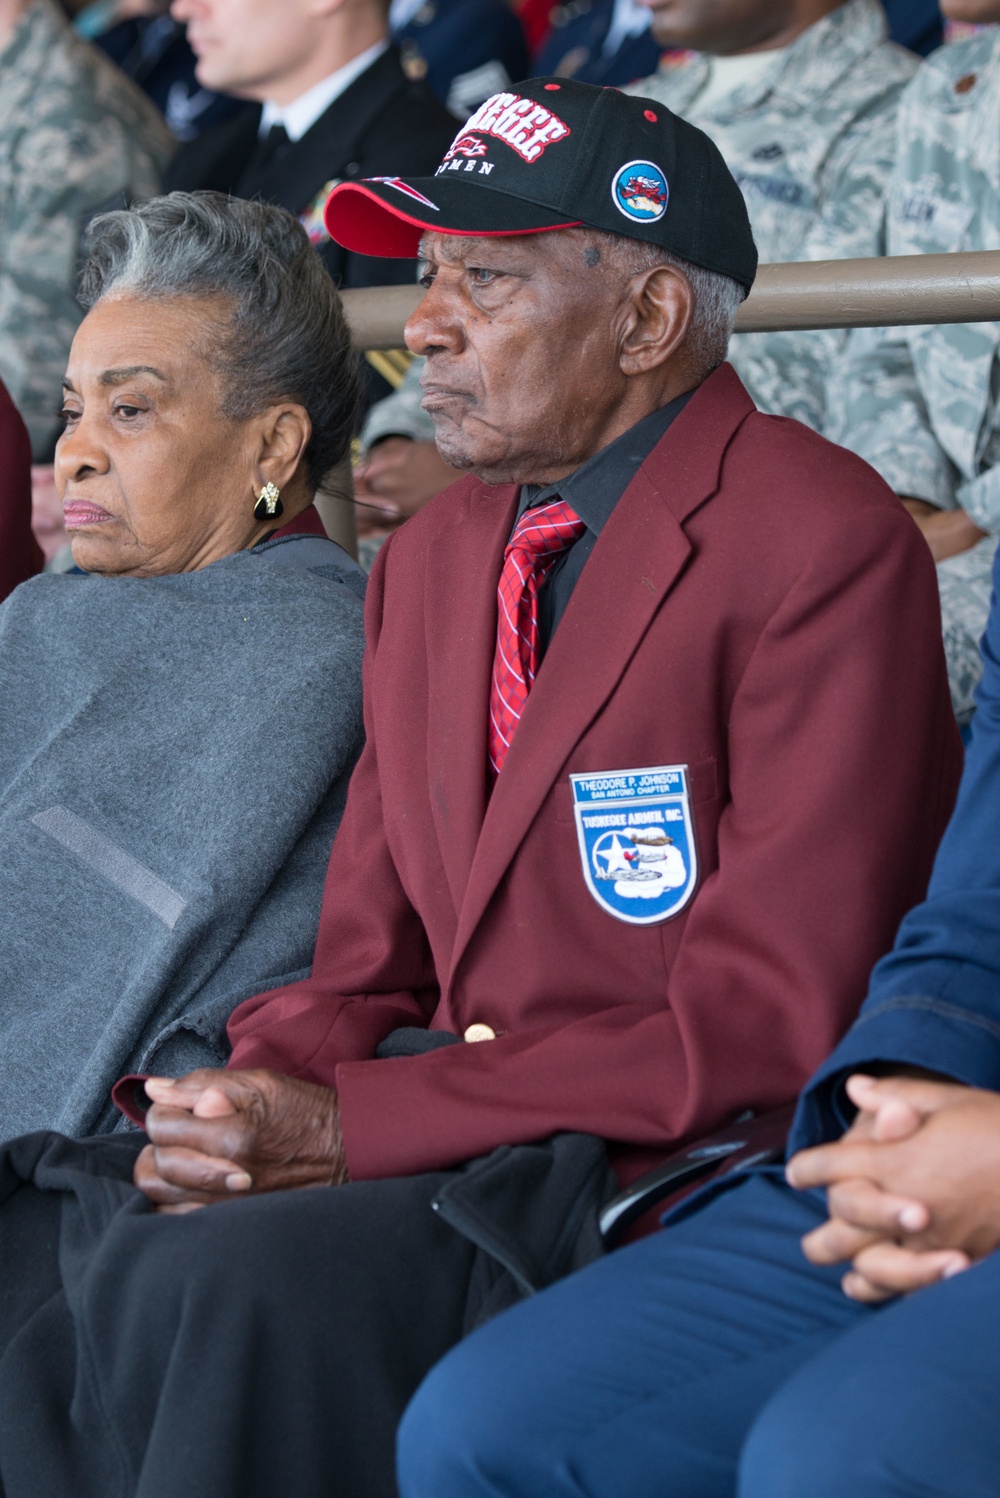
(800,97)
(712,1359)
(334,101)
(647,784)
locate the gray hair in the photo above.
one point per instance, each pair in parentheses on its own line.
(717,298)
(287,336)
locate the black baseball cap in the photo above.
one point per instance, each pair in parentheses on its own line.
(553,153)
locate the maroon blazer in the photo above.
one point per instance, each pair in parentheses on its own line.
(760,608)
(20,555)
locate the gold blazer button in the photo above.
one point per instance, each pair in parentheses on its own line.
(480,1032)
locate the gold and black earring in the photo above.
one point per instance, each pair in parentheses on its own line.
(268,504)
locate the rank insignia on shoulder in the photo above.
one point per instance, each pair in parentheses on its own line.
(636,841)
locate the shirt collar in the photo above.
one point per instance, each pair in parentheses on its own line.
(303,112)
(594,488)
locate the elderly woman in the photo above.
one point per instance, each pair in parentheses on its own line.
(180,715)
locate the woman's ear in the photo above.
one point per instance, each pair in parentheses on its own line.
(283,434)
(658,311)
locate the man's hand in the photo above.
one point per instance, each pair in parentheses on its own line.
(947,532)
(395,480)
(913,1187)
(220,1134)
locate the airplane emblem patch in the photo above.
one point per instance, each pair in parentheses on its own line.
(636,841)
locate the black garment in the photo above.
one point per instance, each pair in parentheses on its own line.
(592,491)
(916,24)
(384,124)
(271,148)
(261,1347)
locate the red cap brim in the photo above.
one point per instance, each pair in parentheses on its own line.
(387,216)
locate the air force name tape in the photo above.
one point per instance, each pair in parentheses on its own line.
(637,841)
(558,154)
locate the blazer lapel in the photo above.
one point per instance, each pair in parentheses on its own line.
(639,556)
(460,619)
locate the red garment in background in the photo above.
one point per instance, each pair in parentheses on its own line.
(536,20)
(20,554)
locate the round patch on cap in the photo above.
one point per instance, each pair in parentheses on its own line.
(640,191)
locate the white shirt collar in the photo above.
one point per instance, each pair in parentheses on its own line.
(303,112)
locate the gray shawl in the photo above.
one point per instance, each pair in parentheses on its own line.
(174,758)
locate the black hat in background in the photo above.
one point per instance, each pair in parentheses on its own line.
(557,154)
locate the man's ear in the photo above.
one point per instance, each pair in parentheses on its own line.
(283,434)
(656,315)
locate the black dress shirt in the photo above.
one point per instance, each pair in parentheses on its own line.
(593,490)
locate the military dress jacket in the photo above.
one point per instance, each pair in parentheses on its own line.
(758,613)
(382,124)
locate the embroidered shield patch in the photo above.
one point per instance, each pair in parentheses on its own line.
(637,841)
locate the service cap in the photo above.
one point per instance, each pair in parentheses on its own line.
(557,154)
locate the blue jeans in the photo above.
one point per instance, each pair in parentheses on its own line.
(712,1360)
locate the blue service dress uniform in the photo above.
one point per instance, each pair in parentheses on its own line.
(466,50)
(574,48)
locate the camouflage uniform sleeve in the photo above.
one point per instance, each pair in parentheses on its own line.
(877,410)
(400,414)
(38,310)
(789,372)
(81,135)
(979,497)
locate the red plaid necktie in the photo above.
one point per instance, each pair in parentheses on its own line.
(539,537)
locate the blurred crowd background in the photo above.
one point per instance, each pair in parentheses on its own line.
(110,102)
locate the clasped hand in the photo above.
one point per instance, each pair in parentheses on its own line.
(216,1135)
(913,1187)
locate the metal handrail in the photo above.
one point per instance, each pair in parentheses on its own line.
(891,291)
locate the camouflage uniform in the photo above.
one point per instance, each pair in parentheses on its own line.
(922,404)
(74,132)
(811,144)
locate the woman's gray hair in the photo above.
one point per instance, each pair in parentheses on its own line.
(717,298)
(287,336)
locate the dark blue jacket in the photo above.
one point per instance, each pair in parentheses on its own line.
(573,47)
(934,1001)
(466,49)
(155,54)
(915,24)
